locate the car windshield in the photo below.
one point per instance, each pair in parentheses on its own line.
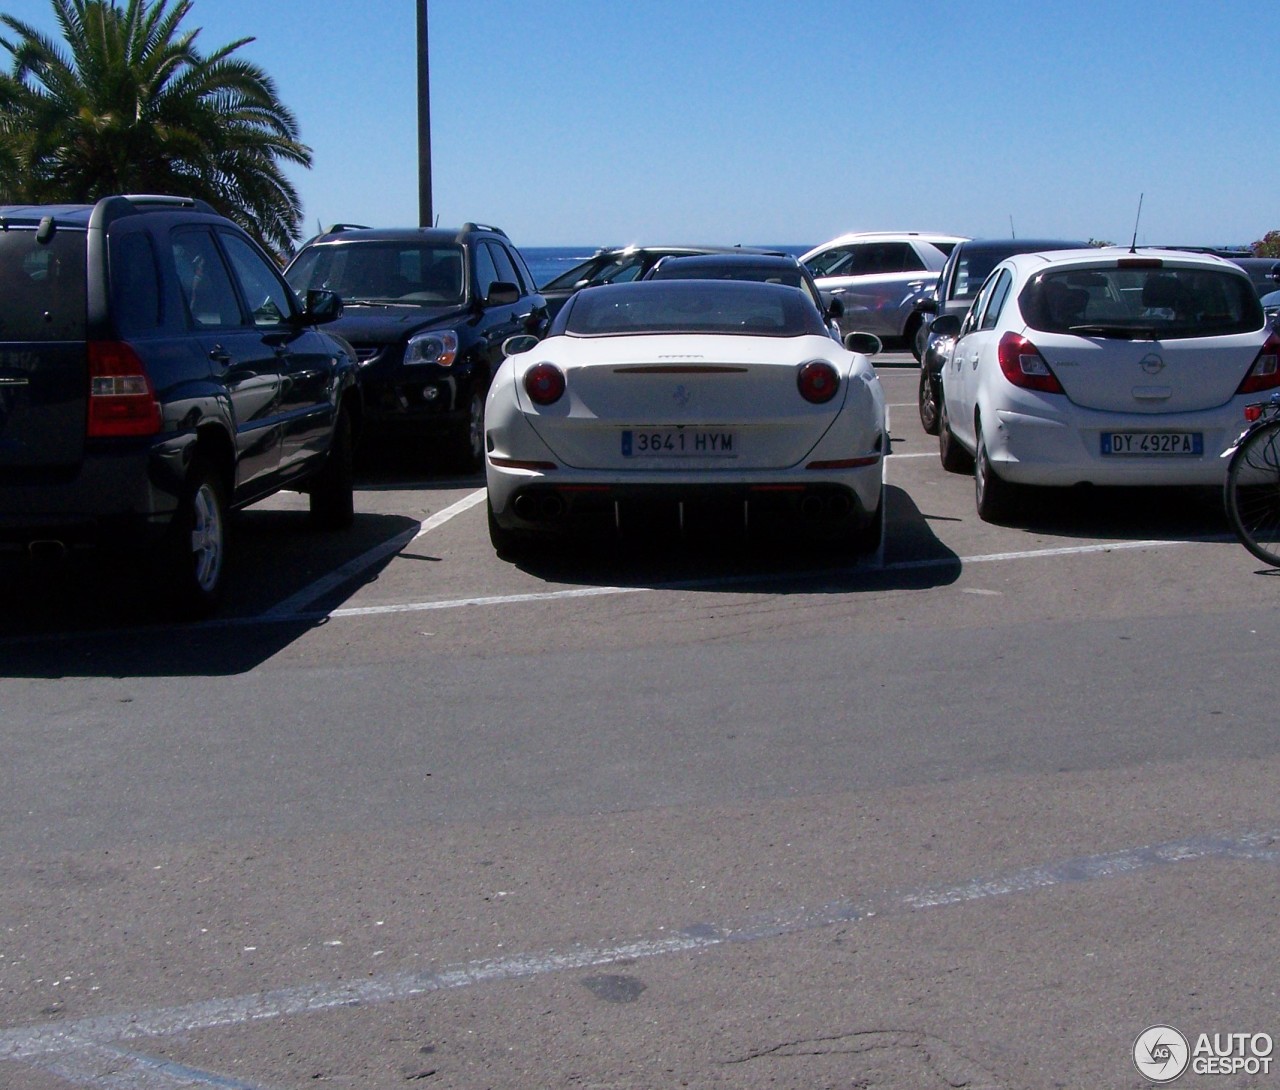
(618,268)
(412,273)
(693,306)
(693,269)
(696,268)
(1141,300)
(972,268)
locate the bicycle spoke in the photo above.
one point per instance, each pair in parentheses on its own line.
(1253,493)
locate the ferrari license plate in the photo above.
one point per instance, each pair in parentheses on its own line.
(1190,443)
(679,443)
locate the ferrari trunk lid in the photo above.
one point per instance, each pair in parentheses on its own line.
(676,404)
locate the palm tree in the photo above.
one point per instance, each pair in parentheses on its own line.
(134,107)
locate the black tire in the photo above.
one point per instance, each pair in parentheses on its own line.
(912,334)
(927,398)
(1252,493)
(333,488)
(468,444)
(194,548)
(995,497)
(955,459)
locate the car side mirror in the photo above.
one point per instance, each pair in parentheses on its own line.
(521,342)
(1274,274)
(928,305)
(835,308)
(946,325)
(321,306)
(502,294)
(866,344)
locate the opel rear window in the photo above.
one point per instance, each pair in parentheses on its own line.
(1142,301)
(692,306)
(42,286)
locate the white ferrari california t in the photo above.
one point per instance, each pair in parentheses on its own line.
(664,405)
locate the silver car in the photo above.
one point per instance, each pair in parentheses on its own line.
(879,277)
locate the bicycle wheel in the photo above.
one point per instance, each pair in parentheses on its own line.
(1253,493)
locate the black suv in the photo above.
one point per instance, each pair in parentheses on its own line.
(156,372)
(427,310)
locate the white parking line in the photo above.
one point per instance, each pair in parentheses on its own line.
(731,580)
(296,603)
(76,1050)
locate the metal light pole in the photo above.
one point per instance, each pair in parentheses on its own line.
(425,215)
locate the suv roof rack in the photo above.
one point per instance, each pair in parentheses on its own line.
(109,209)
(338,228)
(467,228)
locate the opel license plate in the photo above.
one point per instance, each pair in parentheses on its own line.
(1188,443)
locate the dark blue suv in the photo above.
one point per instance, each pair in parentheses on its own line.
(157,372)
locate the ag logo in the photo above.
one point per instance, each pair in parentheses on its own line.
(1161,1054)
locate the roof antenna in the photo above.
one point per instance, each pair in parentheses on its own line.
(1133,246)
(1012,232)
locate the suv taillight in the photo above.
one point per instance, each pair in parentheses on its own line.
(122,400)
(1265,372)
(1022,364)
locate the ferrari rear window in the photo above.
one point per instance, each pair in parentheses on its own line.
(693,306)
(1152,301)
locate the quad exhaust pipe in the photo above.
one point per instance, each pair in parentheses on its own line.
(534,507)
(829,508)
(47,551)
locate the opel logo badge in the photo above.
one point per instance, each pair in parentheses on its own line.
(1152,364)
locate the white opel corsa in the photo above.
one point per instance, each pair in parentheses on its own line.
(1103,366)
(664,404)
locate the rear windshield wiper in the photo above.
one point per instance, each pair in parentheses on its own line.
(1120,332)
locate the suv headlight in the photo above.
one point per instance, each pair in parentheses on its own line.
(438,348)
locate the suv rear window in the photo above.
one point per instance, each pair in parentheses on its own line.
(692,306)
(42,285)
(1144,302)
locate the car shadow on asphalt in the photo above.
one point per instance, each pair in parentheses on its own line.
(783,562)
(95,615)
(1122,514)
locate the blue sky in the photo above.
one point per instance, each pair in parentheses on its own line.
(602,122)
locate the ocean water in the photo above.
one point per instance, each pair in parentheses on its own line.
(548,262)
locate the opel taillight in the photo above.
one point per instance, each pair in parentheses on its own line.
(122,400)
(1265,372)
(1022,364)
(544,383)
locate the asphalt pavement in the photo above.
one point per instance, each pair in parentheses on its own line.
(979,811)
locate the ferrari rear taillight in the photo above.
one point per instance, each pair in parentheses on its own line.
(1022,364)
(818,381)
(122,400)
(1265,372)
(544,383)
